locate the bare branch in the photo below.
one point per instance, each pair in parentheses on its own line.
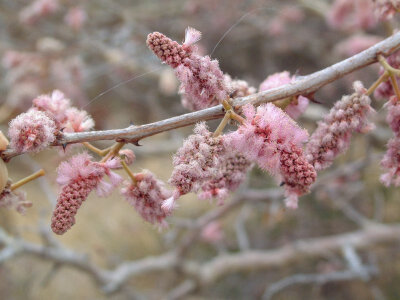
(304,85)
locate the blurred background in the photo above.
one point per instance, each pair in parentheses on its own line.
(95,52)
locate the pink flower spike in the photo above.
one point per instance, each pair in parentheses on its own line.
(77,177)
(192,36)
(55,105)
(147,196)
(77,120)
(31,131)
(292,201)
(333,134)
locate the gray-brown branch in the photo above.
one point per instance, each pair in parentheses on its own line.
(305,85)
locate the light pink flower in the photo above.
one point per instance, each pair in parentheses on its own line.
(55,104)
(386,9)
(225,177)
(351,15)
(147,196)
(300,103)
(391,163)
(296,173)
(264,129)
(75,18)
(194,161)
(333,134)
(273,140)
(77,120)
(78,177)
(391,160)
(31,131)
(202,81)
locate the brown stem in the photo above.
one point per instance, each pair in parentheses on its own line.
(113,151)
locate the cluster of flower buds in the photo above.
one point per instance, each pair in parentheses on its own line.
(37,128)
(78,177)
(333,134)
(391,160)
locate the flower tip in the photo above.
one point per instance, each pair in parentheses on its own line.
(192,36)
(292,202)
(168,205)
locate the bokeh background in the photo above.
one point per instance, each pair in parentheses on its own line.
(95,52)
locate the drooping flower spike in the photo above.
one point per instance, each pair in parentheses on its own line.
(78,177)
(333,134)
(272,139)
(202,81)
(147,195)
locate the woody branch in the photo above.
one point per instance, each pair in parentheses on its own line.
(306,85)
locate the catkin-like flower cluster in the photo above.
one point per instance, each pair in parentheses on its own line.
(31,131)
(202,81)
(67,117)
(391,159)
(295,107)
(37,128)
(194,161)
(226,177)
(147,195)
(274,141)
(332,136)
(78,177)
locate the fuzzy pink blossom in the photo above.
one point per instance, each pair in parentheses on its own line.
(356,43)
(31,131)
(202,81)
(55,104)
(273,140)
(147,196)
(78,177)
(333,134)
(75,18)
(194,161)
(296,106)
(391,163)
(296,173)
(264,128)
(391,159)
(226,177)
(386,9)
(67,118)
(351,15)
(77,120)
(14,199)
